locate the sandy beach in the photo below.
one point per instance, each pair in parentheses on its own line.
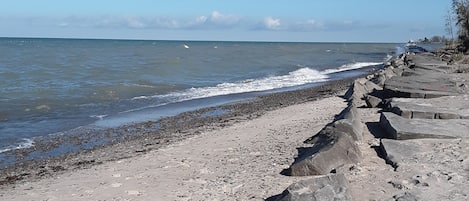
(238,162)
(238,155)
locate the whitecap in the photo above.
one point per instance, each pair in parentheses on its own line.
(102,116)
(27,143)
(301,76)
(351,66)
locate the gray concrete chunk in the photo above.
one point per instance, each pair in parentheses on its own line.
(429,85)
(331,149)
(372,101)
(328,187)
(397,151)
(400,128)
(425,59)
(350,122)
(448,107)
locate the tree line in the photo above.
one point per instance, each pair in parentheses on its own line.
(459,16)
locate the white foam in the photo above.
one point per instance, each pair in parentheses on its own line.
(295,78)
(26,144)
(99,116)
(352,66)
(303,75)
(141,97)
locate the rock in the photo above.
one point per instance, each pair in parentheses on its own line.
(349,121)
(372,101)
(388,73)
(399,70)
(400,128)
(430,85)
(425,59)
(396,151)
(406,197)
(430,64)
(332,149)
(359,89)
(332,187)
(397,62)
(447,107)
(356,92)
(371,86)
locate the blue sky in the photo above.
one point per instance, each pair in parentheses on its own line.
(240,20)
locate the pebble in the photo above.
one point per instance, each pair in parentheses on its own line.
(116,185)
(133,192)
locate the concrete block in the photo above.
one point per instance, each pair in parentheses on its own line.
(447,107)
(331,149)
(329,187)
(400,128)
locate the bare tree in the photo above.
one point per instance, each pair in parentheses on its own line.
(461,11)
(449,27)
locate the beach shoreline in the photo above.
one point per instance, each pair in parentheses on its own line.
(342,140)
(138,139)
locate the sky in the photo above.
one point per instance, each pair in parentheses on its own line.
(222,20)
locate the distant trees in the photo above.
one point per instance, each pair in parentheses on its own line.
(461,12)
(433,39)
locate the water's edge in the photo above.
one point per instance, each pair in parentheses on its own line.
(131,140)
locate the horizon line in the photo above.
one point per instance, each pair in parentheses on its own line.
(192,40)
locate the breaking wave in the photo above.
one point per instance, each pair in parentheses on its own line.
(303,75)
(23,145)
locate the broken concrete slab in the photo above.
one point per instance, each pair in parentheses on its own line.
(328,187)
(430,63)
(425,59)
(359,88)
(447,107)
(372,101)
(349,121)
(397,151)
(430,85)
(331,149)
(401,128)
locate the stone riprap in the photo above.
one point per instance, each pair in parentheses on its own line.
(401,128)
(349,122)
(398,151)
(447,107)
(331,149)
(430,85)
(359,89)
(425,115)
(328,187)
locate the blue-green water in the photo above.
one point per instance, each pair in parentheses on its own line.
(53,85)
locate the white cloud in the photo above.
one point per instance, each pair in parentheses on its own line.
(271,23)
(215,20)
(201,19)
(219,18)
(135,22)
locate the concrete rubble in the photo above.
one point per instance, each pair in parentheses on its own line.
(425,113)
(328,187)
(447,107)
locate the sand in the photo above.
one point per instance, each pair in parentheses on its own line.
(238,162)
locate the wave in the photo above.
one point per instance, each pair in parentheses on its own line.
(298,77)
(352,66)
(303,75)
(27,143)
